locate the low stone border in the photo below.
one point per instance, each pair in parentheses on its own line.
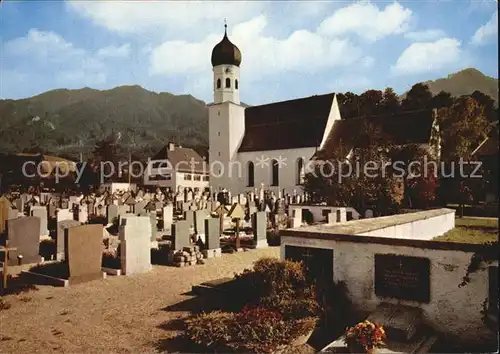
(46,279)
(112,271)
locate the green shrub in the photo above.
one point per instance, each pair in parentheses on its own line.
(256,330)
(48,249)
(278,285)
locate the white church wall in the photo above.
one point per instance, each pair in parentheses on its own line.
(287,173)
(226,130)
(332,117)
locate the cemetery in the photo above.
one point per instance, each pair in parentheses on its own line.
(219,254)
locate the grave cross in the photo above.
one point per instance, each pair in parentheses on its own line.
(6,249)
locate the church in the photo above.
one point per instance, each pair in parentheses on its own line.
(271,145)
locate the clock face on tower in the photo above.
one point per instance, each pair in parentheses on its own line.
(228,71)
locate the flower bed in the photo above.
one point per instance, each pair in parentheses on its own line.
(267,308)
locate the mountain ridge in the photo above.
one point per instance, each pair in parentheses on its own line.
(147,120)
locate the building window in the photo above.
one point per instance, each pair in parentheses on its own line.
(251,174)
(228,83)
(275,179)
(300,171)
(165,177)
(218,83)
(197,177)
(236,84)
(205,178)
(187,177)
(218,113)
(218,133)
(219,153)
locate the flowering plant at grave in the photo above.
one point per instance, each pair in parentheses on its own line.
(365,335)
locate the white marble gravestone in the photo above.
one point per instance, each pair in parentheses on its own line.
(135,244)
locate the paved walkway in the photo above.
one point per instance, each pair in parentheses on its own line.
(119,314)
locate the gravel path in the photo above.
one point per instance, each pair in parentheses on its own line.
(119,314)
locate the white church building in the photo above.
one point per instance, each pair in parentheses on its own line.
(272,145)
(268,145)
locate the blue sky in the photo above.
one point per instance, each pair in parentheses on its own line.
(289,49)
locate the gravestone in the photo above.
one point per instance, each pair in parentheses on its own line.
(112,213)
(6,212)
(189,217)
(60,236)
(402,277)
(41,212)
(83,252)
(259,226)
(135,244)
(19,204)
(153,223)
(199,221)
(167,216)
(212,233)
(180,235)
(51,209)
(139,208)
(64,214)
(23,233)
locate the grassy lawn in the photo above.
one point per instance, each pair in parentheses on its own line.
(472,230)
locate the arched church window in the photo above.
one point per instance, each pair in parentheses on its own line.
(228,83)
(300,171)
(236,84)
(218,83)
(251,174)
(275,179)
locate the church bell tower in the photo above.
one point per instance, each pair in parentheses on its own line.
(226,116)
(226,60)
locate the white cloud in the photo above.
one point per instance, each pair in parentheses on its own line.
(112,51)
(46,51)
(302,50)
(367,21)
(425,35)
(43,46)
(486,32)
(428,56)
(137,17)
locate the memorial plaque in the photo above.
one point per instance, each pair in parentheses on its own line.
(402,277)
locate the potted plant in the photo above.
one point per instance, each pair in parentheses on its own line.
(365,337)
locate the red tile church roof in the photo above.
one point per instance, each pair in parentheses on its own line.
(290,124)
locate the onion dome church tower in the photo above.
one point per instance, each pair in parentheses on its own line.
(226,116)
(226,60)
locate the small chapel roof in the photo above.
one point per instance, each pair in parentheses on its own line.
(292,124)
(181,158)
(412,127)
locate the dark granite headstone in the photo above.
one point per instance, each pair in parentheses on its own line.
(61,227)
(402,277)
(180,235)
(24,233)
(212,233)
(83,252)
